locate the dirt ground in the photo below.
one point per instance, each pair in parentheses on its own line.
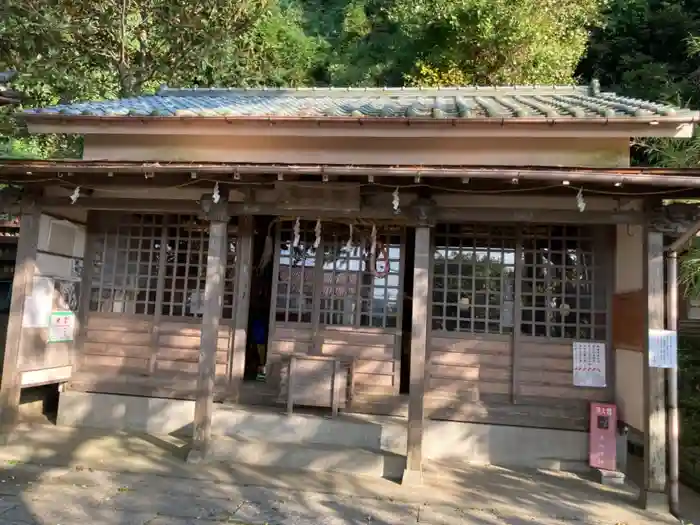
(54,475)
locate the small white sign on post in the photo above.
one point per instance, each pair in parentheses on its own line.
(38,304)
(663,349)
(589,364)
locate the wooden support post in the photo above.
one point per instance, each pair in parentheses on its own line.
(653,495)
(86,288)
(25,266)
(160,288)
(211,317)
(419,349)
(316,342)
(244,265)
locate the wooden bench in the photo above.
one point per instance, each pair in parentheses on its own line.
(319,381)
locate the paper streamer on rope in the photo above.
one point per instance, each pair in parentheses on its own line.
(297,234)
(75,196)
(373,247)
(317,240)
(396,200)
(580,201)
(216,196)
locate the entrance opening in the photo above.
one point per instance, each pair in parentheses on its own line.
(260,298)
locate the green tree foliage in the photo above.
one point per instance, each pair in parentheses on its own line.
(71,50)
(650,49)
(451,42)
(645,48)
(119,47)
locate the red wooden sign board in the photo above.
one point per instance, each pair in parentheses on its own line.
(603,437)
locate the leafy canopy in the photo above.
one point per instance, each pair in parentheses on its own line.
(70,50)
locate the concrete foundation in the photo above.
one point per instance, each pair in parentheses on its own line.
(264,437)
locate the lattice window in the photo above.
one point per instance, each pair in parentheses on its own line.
(473,278)
(295,275)
(126,265)
(354,292)
(565,287)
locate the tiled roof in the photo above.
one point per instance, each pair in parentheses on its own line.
(516,102)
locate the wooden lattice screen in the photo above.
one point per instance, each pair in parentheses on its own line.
(473,278)
(295,279)
(565,289)
(135,252)
(351,292)
(126,264)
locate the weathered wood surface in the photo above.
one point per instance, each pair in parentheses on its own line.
(372,349)
(244,268)
(419,349)
(474,371)
(119,346)
(318,381)
(628,316)
(10,385)
(654,381)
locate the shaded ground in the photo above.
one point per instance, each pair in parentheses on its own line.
(53,475)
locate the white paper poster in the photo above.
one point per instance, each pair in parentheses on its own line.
(38,305)
(663,349)
(589,364)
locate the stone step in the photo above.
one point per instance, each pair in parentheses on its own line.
(275,426)
(306,456)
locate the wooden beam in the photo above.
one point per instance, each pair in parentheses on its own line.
(419,348)
(367,211)
(211,318)
(653,494)
(244,264)
(25,267)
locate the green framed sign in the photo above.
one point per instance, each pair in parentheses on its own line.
(61,327)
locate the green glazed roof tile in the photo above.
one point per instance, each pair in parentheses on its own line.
(514,102)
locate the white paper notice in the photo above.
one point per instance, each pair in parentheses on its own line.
(38,305)
(663,349)
(589,364)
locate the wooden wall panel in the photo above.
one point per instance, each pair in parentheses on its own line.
(545,375)
(118,349)
(116,345)
(285,339)
(470,368)
(372,349)
(629,320)
(374,352)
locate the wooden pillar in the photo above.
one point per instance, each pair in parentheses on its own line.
(25,266)
(91,236)
(419,348)
(218,217)
(653,495)
(244,265)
